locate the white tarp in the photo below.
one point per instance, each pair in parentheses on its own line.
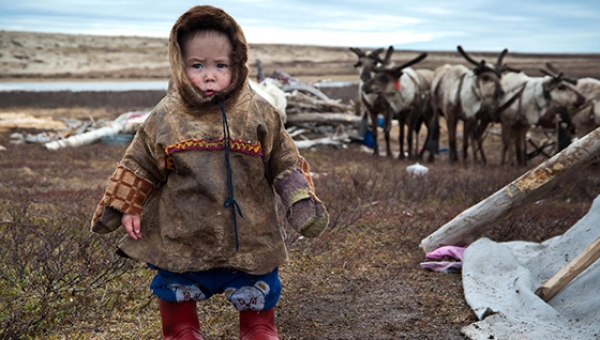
(500,279)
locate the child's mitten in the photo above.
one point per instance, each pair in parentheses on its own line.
(308,217)
(304,211)
(110,220)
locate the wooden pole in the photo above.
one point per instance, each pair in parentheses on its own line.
(530,187)
(562,278)
(323,118)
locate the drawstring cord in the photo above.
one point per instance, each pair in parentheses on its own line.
(230,201)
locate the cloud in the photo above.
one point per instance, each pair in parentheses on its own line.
(531,26)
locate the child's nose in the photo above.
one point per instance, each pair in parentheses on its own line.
(210,77)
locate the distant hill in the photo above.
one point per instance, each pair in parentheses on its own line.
(46,55)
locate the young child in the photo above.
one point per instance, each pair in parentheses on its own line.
(195,190)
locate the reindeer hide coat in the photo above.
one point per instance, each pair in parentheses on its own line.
(174,172)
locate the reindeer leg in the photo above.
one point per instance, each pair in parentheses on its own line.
(520,146)
(417,130)
(505,140)
(451,122)
(387,127)
(375,133)
(519,143)
(467,135)
(433,136)
(401,125)
(409,138)
(481,129)
(427,146)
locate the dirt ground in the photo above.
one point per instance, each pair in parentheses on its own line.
(359,281)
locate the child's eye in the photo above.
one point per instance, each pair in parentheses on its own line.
(197,66)
(222,66)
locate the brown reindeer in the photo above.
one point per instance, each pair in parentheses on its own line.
(492,115)
(404,89)
(373,103)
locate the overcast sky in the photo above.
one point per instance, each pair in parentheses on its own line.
(536,26)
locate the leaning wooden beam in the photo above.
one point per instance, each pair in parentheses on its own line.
(532,186)
(323,118)
(562,278)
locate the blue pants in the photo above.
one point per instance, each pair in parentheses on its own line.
(244,291)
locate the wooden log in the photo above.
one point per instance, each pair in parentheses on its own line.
(126,122)
(562,278)
(323,118)
(307,89)
(307,144)
(530,187)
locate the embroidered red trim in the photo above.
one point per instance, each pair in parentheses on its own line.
(211,145)
(214,145)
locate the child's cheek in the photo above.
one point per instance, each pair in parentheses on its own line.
(194,79)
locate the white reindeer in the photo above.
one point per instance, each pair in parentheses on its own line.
(404,89)
(588,118)
(539,96)
(461,94)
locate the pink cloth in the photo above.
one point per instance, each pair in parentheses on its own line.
(446,252)
(452,259)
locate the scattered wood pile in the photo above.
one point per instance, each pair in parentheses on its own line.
(311,118)
(314,119)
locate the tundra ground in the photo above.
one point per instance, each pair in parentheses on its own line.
(360,280)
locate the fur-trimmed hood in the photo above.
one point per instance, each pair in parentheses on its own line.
(207,17)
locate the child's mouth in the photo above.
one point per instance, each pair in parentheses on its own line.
(209,93)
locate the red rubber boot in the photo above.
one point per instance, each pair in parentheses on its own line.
(180,320)
(255,325)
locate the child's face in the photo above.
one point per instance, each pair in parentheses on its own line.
(207,61)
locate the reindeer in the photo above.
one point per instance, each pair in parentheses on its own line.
(462,94)
(374,104)
(428,116)
(403,88)
(587,118)
(539,96)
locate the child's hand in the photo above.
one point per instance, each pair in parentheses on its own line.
(308,217)
(132,226)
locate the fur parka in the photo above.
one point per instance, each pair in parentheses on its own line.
(174,172)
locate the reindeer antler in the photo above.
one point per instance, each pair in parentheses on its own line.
(403,66)
(468,58)
(360,53)
(414,61)
(500,67)
(561,73)
(479,67)
(553,68)
(388,55)
(501,56)
(552,72)
(375,55)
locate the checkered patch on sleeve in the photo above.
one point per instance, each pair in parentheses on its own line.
(127,191)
